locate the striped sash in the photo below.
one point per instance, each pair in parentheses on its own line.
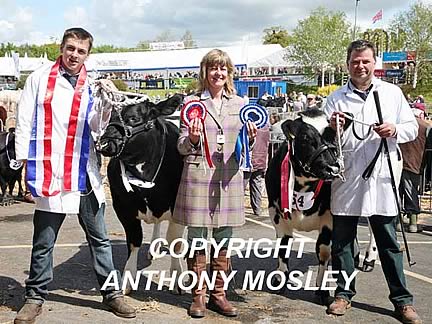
(40,173)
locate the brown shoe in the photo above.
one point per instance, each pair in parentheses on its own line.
(120,308)
(339,306)
(28,198)
(218,301)
(408,314)
(27,314)
(198,264)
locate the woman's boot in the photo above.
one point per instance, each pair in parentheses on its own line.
(218,301)
(198,265)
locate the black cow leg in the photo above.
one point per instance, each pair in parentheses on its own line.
(323,251)
(134,237)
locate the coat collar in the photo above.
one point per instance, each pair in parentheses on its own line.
(206,95)
(349,88)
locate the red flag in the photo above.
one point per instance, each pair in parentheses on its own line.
(377,17)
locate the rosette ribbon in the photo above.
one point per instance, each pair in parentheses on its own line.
(196,109)
(258,115)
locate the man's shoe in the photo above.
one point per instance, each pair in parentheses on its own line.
(408,314)
(120,308)
(339,306)
(27,314)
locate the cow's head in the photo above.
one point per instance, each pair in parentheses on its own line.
(131,134)
(314,153)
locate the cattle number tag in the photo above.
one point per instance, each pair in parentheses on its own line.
(220,139)
(303,200)
(15,165)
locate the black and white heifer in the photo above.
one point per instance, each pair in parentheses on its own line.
(144,172)
(10,169)
(311,152)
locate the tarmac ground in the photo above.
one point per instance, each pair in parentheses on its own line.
(74,295)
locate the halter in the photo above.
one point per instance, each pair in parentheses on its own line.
(132,131)
(306,167)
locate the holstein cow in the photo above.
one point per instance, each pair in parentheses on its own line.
(310,150)
(10,170)
(144,172)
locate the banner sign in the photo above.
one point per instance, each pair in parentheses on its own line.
(394,73)
(394,56)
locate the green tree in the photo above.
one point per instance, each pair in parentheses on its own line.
(143,45)
(276,35)
(320,41)
(165,36)
(380,38)
(187,40)
(416,23)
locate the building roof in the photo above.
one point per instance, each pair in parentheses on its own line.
(28,64)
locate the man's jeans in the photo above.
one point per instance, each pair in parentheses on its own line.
(46,227)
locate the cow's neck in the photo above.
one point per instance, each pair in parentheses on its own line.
(305,184)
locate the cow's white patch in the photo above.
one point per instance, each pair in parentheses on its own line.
(131,267)
(320,122)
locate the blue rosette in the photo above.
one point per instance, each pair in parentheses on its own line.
(259,116)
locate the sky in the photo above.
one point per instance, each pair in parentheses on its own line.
(212,23)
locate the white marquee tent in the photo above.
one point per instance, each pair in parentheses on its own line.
(242,57)
(27,64)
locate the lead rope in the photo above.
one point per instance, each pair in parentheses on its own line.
(340,157)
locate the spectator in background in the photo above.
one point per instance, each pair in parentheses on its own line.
(298,104)
(419,110)
(255,177)
(311,101)
(303,99)
(412,154)
(419,99)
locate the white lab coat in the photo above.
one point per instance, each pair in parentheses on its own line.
(33,94)
(356,196)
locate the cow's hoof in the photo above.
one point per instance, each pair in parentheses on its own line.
(276,281)
(368,266)
(323,296)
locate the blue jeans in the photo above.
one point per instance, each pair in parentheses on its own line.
(46,226)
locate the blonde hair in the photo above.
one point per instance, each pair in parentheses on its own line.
(212,58)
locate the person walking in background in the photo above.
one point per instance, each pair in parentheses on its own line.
(255,177)
(374,197)
(55,123)
(412,155)
(212,198)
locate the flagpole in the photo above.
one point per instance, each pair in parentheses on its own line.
(355,20)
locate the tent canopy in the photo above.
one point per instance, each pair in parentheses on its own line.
(242,56)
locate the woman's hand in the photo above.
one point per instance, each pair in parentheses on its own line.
(195,129)
(252,130)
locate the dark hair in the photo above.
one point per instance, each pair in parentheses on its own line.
(360,45)
(77,32)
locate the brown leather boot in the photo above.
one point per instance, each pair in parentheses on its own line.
(27,314)
(120,308)
(218,301)
(198,265)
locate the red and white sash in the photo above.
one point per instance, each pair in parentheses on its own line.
(40,173)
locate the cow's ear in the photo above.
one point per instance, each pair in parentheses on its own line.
(290,128)
(347,120)
(167,107)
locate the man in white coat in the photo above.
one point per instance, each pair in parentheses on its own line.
(56,120)
(374,197)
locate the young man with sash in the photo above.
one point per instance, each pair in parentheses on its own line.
(56,120)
